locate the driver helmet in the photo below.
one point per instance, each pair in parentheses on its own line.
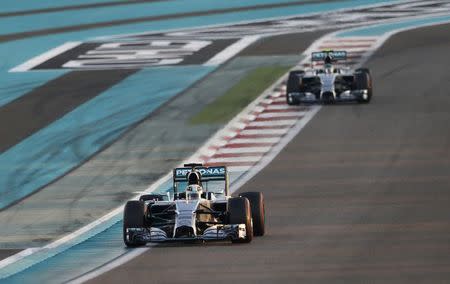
(194,178)
(328,64)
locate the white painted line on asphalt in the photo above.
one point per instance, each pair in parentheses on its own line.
(15,257)
(30,64)
(231,51)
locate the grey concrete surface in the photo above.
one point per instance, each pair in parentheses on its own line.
(360,196)
(131,164)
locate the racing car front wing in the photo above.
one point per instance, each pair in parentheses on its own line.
(346,96)
(214,233)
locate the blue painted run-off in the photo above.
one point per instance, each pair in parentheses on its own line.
(41,21)
(27,5)
(66,143)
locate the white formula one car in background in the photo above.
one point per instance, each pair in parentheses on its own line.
(200,209)
(329,84)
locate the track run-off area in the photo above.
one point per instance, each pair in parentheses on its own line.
(349,198)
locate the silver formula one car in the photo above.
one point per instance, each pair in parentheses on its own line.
(329,84)
(199,209)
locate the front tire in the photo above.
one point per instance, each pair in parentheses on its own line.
(293,85)
(258,211)
(363,81)
(239,212)
(133,217)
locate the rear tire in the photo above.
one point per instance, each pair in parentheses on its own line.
(133,217)
(258,211)
(239,212)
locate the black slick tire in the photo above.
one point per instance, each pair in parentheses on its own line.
(133,217)
(363,80)
(239,212)
(293,85)
(258,211)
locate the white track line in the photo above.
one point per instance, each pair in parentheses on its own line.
(30,64)
(231,51)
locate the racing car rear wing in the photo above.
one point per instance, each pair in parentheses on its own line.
(334,54)
(207,173)
(219,173)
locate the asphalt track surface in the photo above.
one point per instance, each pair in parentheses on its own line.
(360,196)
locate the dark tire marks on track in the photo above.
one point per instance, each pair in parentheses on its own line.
(47,103)
(361,195)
